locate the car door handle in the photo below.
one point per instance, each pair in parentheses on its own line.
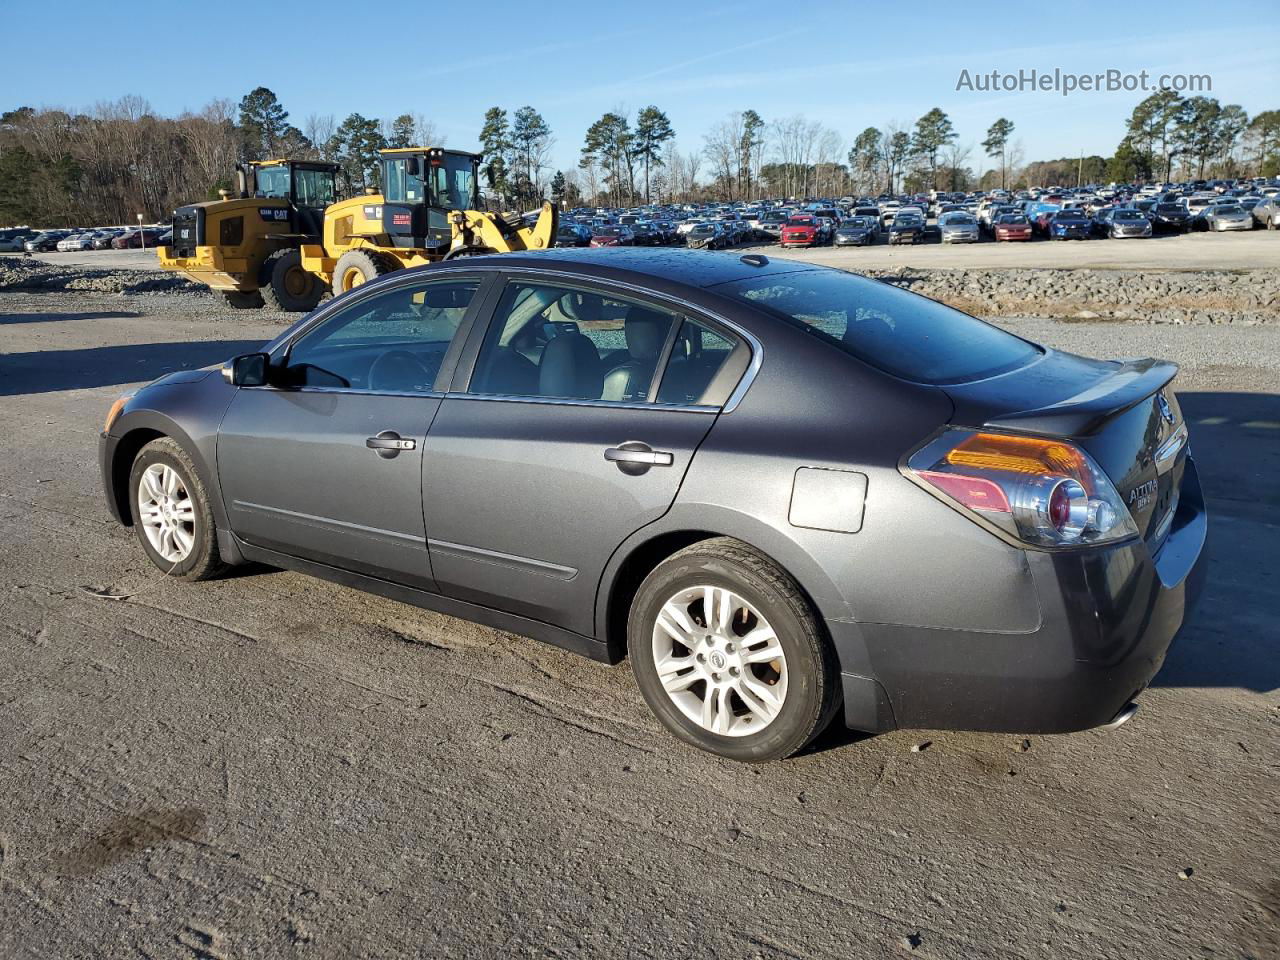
(634,457)
(388,444)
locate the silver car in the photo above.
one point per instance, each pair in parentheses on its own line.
(1267,212)
(1227,216)
(1127,222)
(958,228)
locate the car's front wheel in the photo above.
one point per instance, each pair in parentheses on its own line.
(171,512)
(729,655)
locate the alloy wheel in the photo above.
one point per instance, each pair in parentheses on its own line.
(719,661)
(165,510)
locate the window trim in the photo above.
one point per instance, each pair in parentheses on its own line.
(599,285)
(279,355)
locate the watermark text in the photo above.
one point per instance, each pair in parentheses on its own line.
(1067,83)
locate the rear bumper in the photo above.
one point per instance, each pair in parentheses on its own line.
(1108,618)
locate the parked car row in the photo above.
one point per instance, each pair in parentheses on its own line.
(18,240)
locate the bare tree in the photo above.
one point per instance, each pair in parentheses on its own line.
(319,128)
(723,148)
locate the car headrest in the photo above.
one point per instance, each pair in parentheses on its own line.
(646,331)
(582,307)
(569,368)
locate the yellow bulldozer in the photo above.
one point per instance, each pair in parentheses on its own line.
(428,211)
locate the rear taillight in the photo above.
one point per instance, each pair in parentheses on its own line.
(1037,490)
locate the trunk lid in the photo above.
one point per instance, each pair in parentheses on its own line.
(1123,413)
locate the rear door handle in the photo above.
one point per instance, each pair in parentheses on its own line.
(388,444)
(634,457)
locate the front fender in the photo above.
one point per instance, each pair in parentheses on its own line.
(187,411)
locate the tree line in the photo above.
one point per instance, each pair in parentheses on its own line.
(120,159)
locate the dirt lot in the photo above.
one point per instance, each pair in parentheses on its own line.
(268,765)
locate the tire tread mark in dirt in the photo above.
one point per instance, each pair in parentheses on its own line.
(810,889)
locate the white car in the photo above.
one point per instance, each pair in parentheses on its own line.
(67,244)
(889,210)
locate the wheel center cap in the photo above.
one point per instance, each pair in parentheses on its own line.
(717,660)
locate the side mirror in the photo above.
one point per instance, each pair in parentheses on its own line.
(412,168)
(249,370)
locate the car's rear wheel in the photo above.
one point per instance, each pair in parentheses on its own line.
(171,512)
(729,655)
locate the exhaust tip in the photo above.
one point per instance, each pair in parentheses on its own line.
(1123,717)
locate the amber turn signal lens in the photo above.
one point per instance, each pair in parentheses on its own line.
(114,412)
(1034,456)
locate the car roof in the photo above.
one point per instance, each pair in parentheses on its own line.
(661,270)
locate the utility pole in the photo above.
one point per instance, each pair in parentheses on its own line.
(1080,169)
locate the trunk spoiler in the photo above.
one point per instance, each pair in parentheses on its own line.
(1087,411)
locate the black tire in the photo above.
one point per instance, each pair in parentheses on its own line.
(357,267)
(286,286)
(203,561)
(242,301)
(813,689)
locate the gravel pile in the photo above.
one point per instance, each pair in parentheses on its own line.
(20,273)
(1243,296)
(1208,297)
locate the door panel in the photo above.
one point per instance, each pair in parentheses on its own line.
(523,509)
(297,476)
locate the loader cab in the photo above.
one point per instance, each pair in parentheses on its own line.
(421,187)
(308,186)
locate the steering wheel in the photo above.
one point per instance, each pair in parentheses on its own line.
(400,370)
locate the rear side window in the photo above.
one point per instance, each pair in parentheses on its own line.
(903,334)
(559,342)
(698,354)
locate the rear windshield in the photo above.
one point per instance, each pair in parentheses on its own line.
(898,332)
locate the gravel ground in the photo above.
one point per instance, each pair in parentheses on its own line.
(1154,296)
(269,765)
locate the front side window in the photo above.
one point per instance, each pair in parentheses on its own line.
(452,182)
(403,186)
(394,342)
(564,343)
(898,332)
(273,182)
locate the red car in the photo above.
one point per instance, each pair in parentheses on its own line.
(134,238)
(1012,226)
(800,232)
(612,236)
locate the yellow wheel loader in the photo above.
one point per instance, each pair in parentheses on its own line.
(247,247)
(428,211)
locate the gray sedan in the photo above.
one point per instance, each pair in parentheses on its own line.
(958,228)
(785,493)
(1126,222)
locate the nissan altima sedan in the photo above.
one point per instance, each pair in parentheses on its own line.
(785,493)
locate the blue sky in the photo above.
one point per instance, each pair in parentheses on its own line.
(847,64)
